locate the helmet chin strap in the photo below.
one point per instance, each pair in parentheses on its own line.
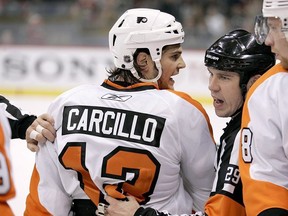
(159,68)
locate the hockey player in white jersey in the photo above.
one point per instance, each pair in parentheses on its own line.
(263,159)
(128,137)
(7,189)
(234,62)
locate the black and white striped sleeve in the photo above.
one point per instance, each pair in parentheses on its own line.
(19,121)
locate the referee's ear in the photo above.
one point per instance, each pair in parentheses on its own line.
(252,80)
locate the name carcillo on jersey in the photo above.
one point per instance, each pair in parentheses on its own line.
(113,123)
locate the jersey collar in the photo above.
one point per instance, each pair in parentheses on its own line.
(119,86)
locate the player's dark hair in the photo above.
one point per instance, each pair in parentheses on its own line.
(125,75)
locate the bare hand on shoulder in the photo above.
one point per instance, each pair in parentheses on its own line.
(39,131)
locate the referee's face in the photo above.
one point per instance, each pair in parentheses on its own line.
(225,91)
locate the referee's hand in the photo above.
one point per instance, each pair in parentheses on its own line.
(121,208)
(39,131)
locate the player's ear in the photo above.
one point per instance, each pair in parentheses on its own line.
(142,61)
(252,80)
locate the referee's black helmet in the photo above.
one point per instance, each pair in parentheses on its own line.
(238,51)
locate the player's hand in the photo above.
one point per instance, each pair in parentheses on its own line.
(39,131)
(121,208)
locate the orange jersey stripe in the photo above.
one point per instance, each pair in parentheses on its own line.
(33,204)
(5,209)
(220,205)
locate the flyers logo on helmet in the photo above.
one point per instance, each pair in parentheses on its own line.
(142,19)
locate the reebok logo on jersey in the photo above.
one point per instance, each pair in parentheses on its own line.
(115,97)
(113,123)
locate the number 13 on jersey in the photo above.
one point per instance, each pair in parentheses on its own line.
(138,169)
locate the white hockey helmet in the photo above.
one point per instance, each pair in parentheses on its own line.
(143,28)
(271,8)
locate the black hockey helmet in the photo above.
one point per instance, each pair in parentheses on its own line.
(238,51)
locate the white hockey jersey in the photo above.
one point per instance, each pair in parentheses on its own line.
(7,189)
(156,145)
(263,159)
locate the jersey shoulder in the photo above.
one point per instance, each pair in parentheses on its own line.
(189,99)
(5,126)
(193,102)
(266,77)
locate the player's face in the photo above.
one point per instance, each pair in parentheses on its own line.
(171,63)
(225,91)
(277,40)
